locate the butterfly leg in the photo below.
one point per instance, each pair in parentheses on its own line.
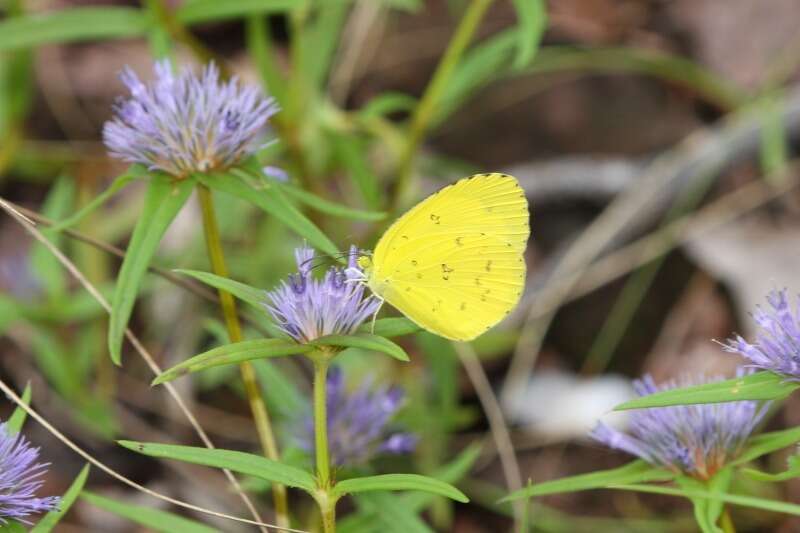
(375,314)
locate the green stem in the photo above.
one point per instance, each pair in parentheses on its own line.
(228,304)
(726,522)
(321,422)
(327,505)
(424,112)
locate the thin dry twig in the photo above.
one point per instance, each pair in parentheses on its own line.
(8,391)
(78,275)
(497,424)
(190,285)
(682,230)
(698,157)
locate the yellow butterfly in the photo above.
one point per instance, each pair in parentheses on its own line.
(454,263)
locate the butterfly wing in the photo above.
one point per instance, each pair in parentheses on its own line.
(454,263)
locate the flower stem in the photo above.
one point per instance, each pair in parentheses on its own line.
(327,505)
(228,304)
(321,422)
(424,113)
(726,522)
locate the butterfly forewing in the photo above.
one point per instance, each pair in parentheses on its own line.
(454,263)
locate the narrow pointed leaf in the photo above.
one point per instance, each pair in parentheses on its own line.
(162,203)
(734,499)
(271,200)
(328,207)
(758,386)
(244,463)
(60,200)
(213,10)
(119,182)
(70,25)
(149,517)
(399,482)
(350,154)
(51,519)
(365,341)
(389,514)
(532,16)
(232,354)
(792,471)
(246,293)
(17,418)
(390,327)
(767,443)
(249,295)
(635,472)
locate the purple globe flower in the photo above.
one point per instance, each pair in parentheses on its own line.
(20,478)
(358,423)
(696,440)
(187,123)
(777,344)
(306,308)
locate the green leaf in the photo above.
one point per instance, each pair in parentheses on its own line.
(532,15)
(233,353)
(734,499)
(213,10)
(320,39)
(389,514)
(350,154)
(372,517)
(149,517)
(792,471)
(390,327)
(244,463)
(17,418)
(47,267)
(246,293)
(767,443)
(12,527)
(51,519)
(634,472)
(54,361)
(163,201)
(388,103)
(758,386)
(118,183)
(281,393)
(707,511)
(365,341)
(263,54)
(480,65)
(398,482)
(70,25)
(328,207)
(272,201)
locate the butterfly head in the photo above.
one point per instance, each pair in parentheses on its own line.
(364,262)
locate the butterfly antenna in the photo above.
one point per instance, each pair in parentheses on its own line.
(322,260)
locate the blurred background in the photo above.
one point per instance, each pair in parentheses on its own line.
(654,140)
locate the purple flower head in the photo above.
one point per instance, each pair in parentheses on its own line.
(696,440)
(358,422)
(307,308)
(777,344)
(20,478)
(183,123)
